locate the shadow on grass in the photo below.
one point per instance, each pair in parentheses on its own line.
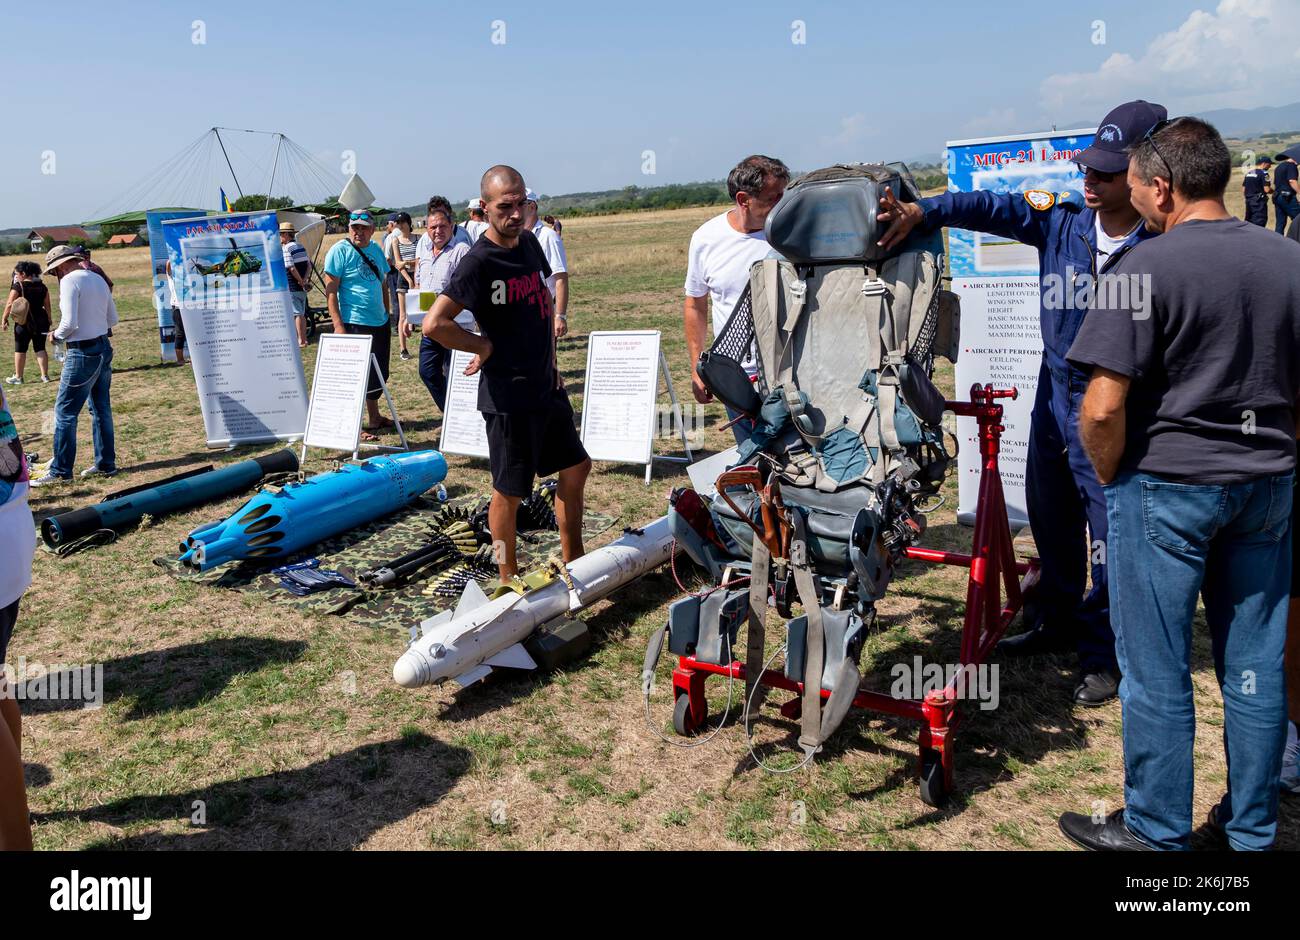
(663,469)
(197,457)
(418,426)
(177,678)
(334,804)
(1032,714)
(147,367)
(35,499)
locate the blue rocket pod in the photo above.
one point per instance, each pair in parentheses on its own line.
(273,525)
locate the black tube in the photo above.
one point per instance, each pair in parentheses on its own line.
(173,494)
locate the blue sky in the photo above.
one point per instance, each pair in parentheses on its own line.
(579,91)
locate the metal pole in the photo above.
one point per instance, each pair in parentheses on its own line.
(217,132)
(270,187)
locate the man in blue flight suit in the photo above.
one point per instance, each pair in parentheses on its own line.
(1076,243)
(1256,189)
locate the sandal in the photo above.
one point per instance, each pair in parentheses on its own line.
(367,436)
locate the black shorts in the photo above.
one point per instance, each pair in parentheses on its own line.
(178,324)
(381,344)
(24,335)
(528,444)
(8,617)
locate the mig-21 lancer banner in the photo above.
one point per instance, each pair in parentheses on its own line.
(233,292)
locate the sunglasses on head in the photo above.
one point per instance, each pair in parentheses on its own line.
(1151,136)
(360,217)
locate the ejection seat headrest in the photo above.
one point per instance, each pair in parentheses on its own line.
(828,216)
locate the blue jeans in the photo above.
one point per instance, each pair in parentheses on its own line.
(1230,543)
(87,374)
(435,359)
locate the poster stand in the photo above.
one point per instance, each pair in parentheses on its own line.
(621,411)
(677,419)
(392,410)
(464,430)
(336,408)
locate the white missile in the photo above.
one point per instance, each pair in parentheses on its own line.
(464,645)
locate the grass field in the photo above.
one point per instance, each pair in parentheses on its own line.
(277,730)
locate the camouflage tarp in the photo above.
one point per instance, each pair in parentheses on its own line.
(368,546)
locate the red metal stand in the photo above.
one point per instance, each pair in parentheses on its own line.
(994,594)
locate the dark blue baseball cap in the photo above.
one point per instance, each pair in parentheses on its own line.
(1122,128)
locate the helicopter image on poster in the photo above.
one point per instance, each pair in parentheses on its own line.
(237,262)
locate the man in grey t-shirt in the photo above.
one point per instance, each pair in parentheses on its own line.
(1189,420)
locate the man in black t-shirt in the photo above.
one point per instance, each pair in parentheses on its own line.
(530,425)
(1189,419)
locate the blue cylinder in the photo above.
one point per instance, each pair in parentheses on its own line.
(273,525)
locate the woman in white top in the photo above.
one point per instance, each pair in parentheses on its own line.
(17,547)
(401,255)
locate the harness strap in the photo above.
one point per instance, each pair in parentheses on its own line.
(810,738)
(755,636)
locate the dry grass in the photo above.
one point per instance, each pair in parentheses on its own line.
(223,698)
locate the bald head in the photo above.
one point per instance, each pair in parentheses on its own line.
(503,194)
(500,178)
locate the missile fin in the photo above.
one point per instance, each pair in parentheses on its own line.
(473,675)
(513,657)
(471,598)
(432,622)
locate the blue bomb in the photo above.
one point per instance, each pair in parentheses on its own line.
(273,525)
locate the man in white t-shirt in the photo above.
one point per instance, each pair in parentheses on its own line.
(553,248)
(721,252)
(476,224)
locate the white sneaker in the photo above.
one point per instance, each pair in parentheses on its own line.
(47,479)
(96,472)
(45,379)
(13,380)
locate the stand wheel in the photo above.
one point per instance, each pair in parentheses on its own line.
(682,722)
(933,790)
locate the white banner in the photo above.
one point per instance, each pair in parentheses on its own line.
(463,429)
(1000,344)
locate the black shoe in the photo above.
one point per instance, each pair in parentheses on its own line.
(1040,641)
(1111,836)
(1096,688)
(1215,830)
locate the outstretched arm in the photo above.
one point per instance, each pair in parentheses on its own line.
(1006,214)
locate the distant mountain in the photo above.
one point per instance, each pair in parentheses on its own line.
(1282,121)
(1256,122)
